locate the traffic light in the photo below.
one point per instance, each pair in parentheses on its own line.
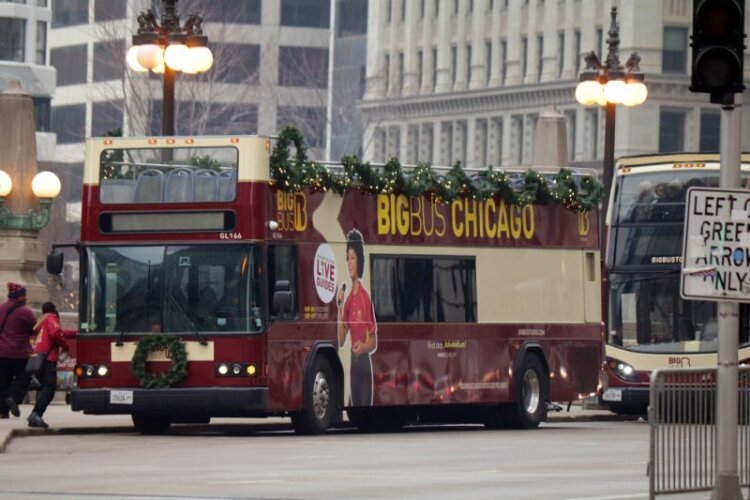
(718,42)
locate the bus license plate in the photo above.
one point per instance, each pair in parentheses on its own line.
(612,395)
(121,397)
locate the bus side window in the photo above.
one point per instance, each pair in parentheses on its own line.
(282,270)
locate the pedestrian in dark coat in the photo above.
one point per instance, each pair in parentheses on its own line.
(51,337)
(16,330)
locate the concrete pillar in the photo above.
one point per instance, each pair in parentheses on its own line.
(550,140)
(21,252)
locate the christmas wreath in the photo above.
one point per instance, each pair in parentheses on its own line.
(518,189)
(177,354)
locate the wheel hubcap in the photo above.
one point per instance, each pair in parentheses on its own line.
(531,391)
(321,394)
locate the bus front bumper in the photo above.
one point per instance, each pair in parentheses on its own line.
(212,402)
(632,400)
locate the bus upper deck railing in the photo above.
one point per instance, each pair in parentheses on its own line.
(682,411)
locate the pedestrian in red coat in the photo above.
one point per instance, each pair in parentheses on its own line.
(50,338)
(16,330)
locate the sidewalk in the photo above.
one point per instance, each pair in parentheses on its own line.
(62,420)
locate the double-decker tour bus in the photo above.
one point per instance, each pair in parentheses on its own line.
(650,325)
(210,289)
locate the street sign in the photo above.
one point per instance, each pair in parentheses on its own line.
(716,245)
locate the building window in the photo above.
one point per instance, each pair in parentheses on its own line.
(421,8)
(245,63)
(434,67)
(455,7)
(454,63)
(488,60)
(388,11)
(226,11)
(217,118)
(305,13)
(671,131)
(403,10)
(42,114)
(674,52)
(524,55)
(420,69)
(710,130)
(352,17)
(107,64)
(70,63)
(600,41)
(41,43)
(303,67)
(12,37)
(577,54)
(70,13)
(437,8)
(400,71)
(424,289)
(387,72)
(560,52)
(41,3)
(540,57)
(106,116)
(109,10)
(468,63)
(310,121)
(503,61)
(69,123)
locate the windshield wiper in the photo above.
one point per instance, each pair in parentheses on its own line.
(173,301)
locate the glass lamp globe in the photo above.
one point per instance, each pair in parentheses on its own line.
(45,185)
(177,56)
(614,91)
(150,56)
(202,58)
(132,59)
(6,184)
(635,94)
(159,70)
(588,92)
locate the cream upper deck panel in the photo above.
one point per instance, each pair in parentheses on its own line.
(253,152)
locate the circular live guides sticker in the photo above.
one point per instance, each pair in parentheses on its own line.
(324,273)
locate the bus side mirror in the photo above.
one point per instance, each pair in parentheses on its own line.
(282,298)
(55,263)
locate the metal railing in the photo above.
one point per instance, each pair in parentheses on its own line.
(682,419)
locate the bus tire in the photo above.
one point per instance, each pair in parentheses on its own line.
(530,394)
(151,424)
(319,399)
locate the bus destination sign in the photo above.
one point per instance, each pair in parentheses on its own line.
(716,245)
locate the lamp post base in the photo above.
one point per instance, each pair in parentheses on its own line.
(22,254)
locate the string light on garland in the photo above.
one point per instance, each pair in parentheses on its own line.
(300,173)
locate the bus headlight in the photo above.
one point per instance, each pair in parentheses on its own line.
(91,371)
(102,371)
(235,369)
(222,369)
(622,369)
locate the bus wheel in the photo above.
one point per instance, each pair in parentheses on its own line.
(530,393)
(151,424)
(320,396)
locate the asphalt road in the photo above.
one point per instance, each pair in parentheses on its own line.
(578,460)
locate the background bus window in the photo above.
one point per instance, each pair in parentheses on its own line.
(424,289)
(282,266)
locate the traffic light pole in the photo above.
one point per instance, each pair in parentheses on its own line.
(727,482)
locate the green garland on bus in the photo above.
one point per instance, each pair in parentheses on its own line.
(177,354)
(301,173)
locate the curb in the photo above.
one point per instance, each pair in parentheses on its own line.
(248,429)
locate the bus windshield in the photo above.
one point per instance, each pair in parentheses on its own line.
(645,310)
(171,289)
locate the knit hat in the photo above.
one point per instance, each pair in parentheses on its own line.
(16,290)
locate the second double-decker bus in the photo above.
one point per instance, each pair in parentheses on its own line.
(209,289)
(650,325)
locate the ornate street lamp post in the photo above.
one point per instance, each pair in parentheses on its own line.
(167,47)
(609,84)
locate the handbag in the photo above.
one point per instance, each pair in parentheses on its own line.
(35,363)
